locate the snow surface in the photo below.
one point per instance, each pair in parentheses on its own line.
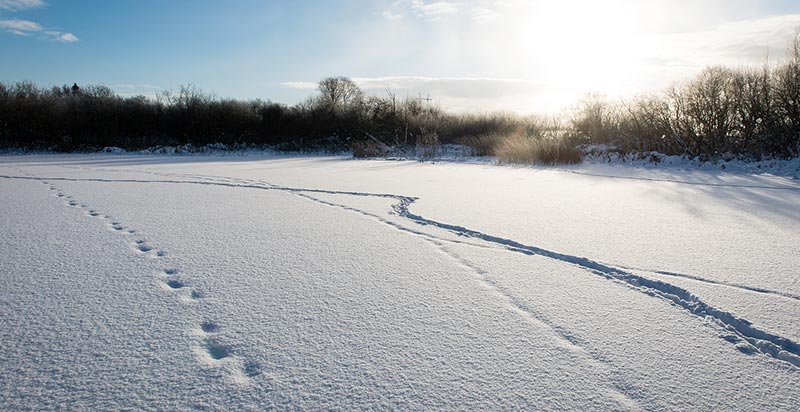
(269,282)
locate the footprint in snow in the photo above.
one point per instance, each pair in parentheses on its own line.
(209,327)
(142,247)
(174,284)
(252,369)
(217,351)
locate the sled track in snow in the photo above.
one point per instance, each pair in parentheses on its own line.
(740,331)
(717,283)
(682,182)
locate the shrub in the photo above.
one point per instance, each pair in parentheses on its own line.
(368,148)
(485,144)
(529,150)
(427,146)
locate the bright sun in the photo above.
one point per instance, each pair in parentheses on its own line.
(586,45)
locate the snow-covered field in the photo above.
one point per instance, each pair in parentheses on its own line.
(258,282)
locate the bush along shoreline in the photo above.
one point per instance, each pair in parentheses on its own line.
(723,113)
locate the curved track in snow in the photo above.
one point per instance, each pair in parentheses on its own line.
(741,332)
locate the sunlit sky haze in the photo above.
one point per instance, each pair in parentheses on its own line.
(482,55)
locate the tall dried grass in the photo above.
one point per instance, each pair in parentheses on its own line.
(530,150)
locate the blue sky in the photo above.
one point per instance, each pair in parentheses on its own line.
(523,56)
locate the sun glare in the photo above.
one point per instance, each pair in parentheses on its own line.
(586,45)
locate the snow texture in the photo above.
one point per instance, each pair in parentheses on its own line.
(268,282)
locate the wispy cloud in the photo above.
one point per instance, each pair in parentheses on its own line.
(484,14)
(477,10)
(434,9)
(149,91)
(449,87)
(300,85)
(20,27)
(460,93)
(749,42)
(27,28)
(17,5)
(66,38)
(389,15)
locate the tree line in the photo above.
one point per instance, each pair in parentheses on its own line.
(340,116)
(747,112)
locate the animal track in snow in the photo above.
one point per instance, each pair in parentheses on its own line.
(144,248)
(209,327)
(174,284)
(252,369)
(759,340)
(216,350)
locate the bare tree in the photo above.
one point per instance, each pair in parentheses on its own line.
(786,94)
(340,92)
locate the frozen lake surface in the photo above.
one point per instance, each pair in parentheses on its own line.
(257,282)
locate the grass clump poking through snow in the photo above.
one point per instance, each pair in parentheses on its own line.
(538,142)
(367,149)
(531,150)
(486,144)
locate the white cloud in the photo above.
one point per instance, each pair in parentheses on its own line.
(388,15)
(17,5)
(484,14)
(20,26)
(680,56)
(65,38)
(300,85)
(477,10)
(149,91)
(27,27)
(463,93)
(433,10)
(733,43)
